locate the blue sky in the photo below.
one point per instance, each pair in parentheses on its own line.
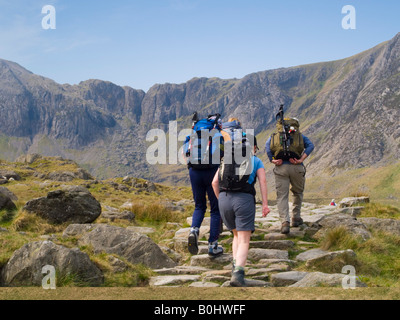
(143,42)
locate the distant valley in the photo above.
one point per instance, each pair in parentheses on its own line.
(349,108)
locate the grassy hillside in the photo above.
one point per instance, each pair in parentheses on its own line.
(381,184)
(152,209)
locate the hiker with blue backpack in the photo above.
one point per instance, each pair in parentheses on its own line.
(203,150)
(234,186)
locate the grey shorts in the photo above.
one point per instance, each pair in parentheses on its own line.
(237,210)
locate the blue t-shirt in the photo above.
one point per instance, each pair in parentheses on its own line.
(257,164)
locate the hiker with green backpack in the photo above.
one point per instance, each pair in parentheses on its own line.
(287,149)
(234,186)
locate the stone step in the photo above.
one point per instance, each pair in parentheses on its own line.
(182,270)
(285,279)
(269,244)
(204,260)
(257,254)
(158,281)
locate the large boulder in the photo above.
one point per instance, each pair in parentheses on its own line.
(65,176)
(135,247)
(9,174)
(351,201)
(353,226)
(384,225)
(25,266)
(29,158)
(73,204)
(284,279)
(8,193)
(318,279)
(114,214)
(315,257)
(77,230)
(6,203)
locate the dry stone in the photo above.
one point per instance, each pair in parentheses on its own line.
(351,201)
(317,279)
(201,284)
(181,270)
(311,254)
(135,247)
(269,244)
(385,225)
(204,260)
(285,279)
(73,204)
(76,230)
(114,214)
(172,280)
(257,254)
(353,226)
(9,174)
(25,266)
(8,193)
(6,203)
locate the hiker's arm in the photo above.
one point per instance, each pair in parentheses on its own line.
(277,162)
(264,190)
(185,148)
(268,150)
(299,161)
(215,185)
(309,147)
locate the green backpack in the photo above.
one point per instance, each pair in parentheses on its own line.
(288,141)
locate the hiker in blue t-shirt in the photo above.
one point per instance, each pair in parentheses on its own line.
(237,210)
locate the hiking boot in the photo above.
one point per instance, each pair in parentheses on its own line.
(285,228)
(193,239)
(214,250)
(237,279)
(296,222)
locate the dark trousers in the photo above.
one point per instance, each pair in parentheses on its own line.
(201,181)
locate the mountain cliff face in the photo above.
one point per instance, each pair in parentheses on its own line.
(349,108)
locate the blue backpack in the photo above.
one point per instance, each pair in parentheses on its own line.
(205,145)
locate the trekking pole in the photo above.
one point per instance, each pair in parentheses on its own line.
(284,135)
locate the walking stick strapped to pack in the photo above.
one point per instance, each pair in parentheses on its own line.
(287,142)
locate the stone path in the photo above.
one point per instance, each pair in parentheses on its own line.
(272,260)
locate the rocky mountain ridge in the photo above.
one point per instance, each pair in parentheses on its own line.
(349,108)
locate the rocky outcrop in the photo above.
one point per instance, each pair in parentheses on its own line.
(9,174)
(4,191)
(318,279)
(114,214)
(6,203)
(384,225)
(353,225)
(73,204)
(319,257)
(134,247)
(351,201)
(28,158)
(66,176)
(25,266)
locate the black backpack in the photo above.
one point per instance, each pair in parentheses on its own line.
(237,165)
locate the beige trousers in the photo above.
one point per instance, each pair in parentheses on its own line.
(288,175)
